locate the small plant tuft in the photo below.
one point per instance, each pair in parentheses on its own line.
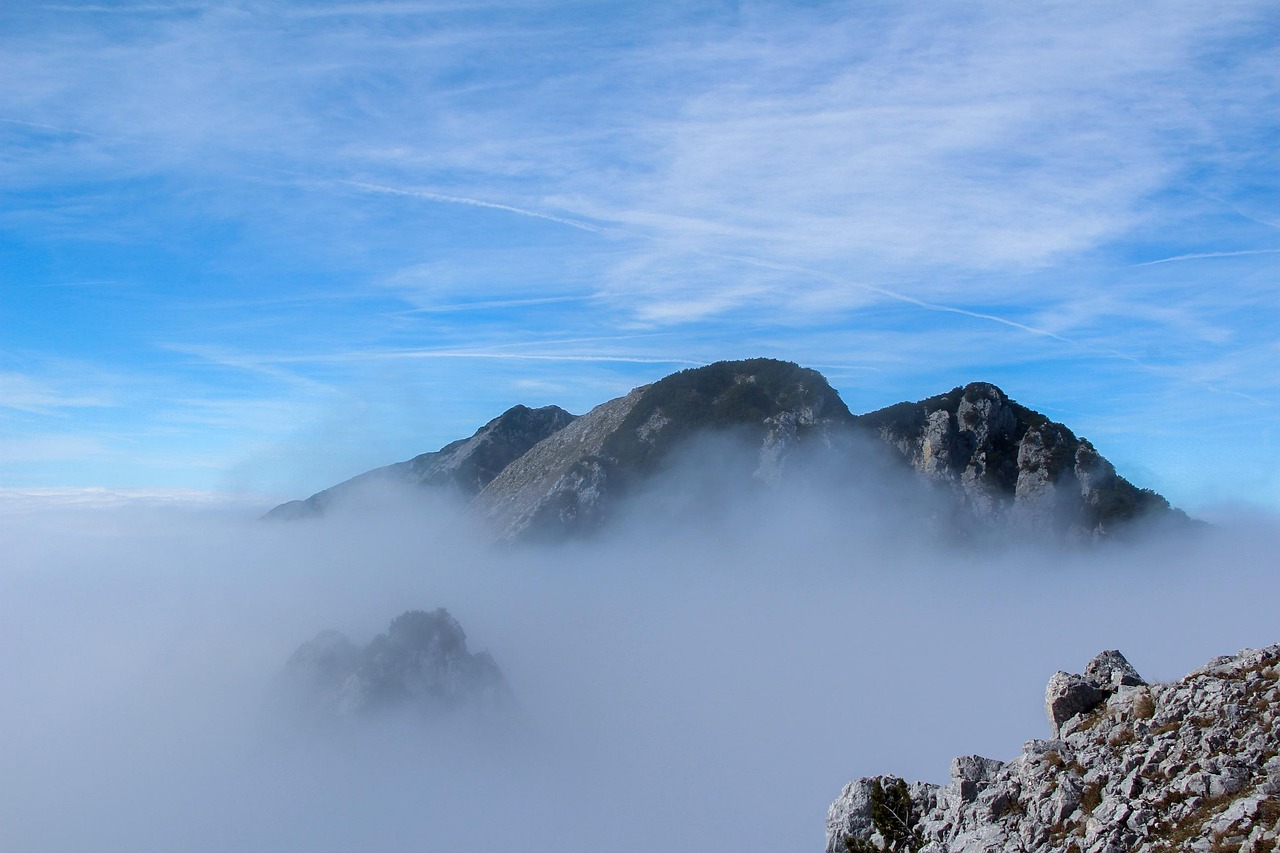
(894,817)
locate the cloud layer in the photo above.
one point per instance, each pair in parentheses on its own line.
(683,688)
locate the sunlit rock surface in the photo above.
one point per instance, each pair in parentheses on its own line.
(420,667)
(1189,766)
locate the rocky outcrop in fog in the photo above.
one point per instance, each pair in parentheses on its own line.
(989,465)
(1130,766)
(421,667)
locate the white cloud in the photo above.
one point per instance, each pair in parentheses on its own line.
(38,395)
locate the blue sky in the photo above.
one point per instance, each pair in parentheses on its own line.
(262,246)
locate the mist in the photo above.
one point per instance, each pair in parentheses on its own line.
(704,674)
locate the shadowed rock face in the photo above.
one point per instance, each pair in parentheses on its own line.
(1069,695)
(462,467)
(420,666)
(1010,464)
(1131,767)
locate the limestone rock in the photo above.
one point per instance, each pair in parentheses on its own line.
(1012,466)
(1147,768)
(1069,695)
(1111,669)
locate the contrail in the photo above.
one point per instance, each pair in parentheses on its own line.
(894,295)
(52,127)
(1199,255)
(870,288)
(533,357)
(496,303)
(475,202)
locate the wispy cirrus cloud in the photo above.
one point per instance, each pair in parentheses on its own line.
(41,395)
(1200,256)
(1013,189)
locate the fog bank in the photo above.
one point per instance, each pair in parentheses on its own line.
(683,687)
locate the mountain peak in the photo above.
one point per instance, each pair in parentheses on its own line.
(462,467)
(572,481)
(1007,469)
(1004,460)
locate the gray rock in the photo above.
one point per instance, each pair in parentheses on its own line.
(971,773)
(1111,669)
(982,465)
(420,666)
(1013,466)
(1209,781)
(1069,695)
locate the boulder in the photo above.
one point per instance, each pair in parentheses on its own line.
(1068,695)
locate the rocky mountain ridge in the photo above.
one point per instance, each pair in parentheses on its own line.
(571,482)
(463,467)
(546,474)
(1131,766)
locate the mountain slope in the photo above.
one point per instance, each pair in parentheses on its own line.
(570,482)
(1190,766)
(464,467)
(987,466)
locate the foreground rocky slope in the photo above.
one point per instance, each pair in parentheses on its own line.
(421,667)
(1131,766)
(988,464)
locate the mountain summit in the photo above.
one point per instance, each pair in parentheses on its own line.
(462,467)
(570,482)
(999,466)
(1003,460)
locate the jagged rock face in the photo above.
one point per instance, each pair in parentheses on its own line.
(561,482)
(569,482)
(462,467)
(1011,464)
(1190,766)
(1069,695)
(421,665)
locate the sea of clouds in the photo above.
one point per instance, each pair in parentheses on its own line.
(699,678)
